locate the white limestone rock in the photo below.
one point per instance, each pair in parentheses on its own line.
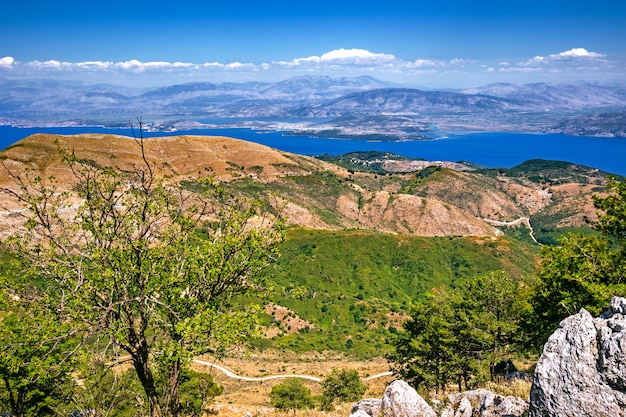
(370,406)
(582,371)
(401,400)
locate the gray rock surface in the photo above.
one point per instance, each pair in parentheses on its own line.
(370,406)
(401,400)
(582,371)
(483,403)
(494,405)
(360,413)
(459,407)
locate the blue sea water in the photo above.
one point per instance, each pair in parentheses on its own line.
(487,149)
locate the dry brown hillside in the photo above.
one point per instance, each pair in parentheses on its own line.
(196,156)
(480,196)
(317,194)
(551,195)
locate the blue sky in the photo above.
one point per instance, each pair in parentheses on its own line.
(436,43)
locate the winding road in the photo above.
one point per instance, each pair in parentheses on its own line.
(524,220)
(231,374)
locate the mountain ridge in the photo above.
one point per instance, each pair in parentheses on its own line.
(409,101)
(303,100)
(430,200)
(598,125)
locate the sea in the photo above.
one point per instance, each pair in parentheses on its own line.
(490,150)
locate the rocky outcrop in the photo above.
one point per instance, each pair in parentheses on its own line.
(582,371)
(483,403)
(360,413)
(401,400)
(367,407)
(493,405)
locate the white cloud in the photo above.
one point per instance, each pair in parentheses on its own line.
(94,65)
(209,65)
(577,63)
(423,63)
(577,53)
(240,66)
(459,62)
(520,69)
(135,65)
(342,56)
(50,65)
(355,54)
(7,62)
(574,53)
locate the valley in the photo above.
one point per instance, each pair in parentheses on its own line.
(240,397)
(369,233)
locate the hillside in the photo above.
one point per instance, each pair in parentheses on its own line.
(348,290)
(315,193)
(391,195)
(367,238)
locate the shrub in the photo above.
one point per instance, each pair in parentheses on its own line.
(291,395)
(343,385)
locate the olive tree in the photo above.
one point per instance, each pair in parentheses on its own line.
(142,264)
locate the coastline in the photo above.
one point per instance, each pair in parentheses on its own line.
(489,149)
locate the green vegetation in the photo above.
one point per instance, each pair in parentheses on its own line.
(458,332)
(291,395)
(341,385)
(549,235)
(550,172)
(366,161)
(126,272)
(324,185)
(584,271)
(355,287)
(362,262)
(37,356)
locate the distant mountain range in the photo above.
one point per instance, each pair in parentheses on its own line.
(601,125)
(346,107)
(558,96)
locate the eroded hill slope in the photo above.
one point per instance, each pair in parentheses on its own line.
(315,193)
(323,195)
